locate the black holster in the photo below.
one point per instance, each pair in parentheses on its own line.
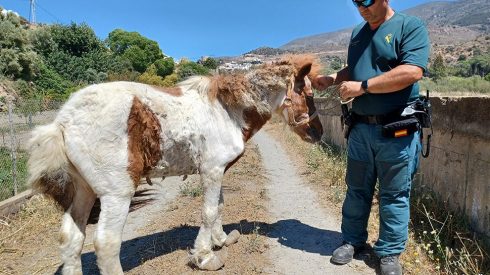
(346,120)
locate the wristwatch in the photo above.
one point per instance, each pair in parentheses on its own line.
(364,86)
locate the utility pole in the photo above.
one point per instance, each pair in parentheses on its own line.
(32,15)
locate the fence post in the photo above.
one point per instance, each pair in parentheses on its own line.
(12,147)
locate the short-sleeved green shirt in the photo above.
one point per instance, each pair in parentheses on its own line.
(402,39)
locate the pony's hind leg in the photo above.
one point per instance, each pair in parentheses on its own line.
(202,254)
(108,235)
(218,236)
(73,226)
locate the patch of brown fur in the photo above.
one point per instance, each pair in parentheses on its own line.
(229,89)
(58,185)
(143,140)
(175,91)
(254,120)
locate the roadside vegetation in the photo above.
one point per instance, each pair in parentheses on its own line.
(440,240)
(49,62)
(458,86)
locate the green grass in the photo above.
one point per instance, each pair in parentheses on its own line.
(457,85)
(6,177)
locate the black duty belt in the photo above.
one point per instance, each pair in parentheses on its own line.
(374,119)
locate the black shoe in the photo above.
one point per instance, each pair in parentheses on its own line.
(390,265)
(344,253)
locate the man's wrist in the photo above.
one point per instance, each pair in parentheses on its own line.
(365,86)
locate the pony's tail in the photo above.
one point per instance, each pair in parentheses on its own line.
(48,166)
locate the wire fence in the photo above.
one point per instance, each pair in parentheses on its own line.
(16,123)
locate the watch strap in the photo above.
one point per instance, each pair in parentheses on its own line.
(364,86)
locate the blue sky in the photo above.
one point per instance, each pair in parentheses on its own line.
(195,28)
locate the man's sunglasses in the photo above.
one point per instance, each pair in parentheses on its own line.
(365,3)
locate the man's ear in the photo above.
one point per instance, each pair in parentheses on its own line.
(304,71)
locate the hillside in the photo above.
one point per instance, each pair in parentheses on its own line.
(455,28)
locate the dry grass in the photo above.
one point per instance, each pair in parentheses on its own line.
(440,241)
(29,240)
(445,236)
(37,223)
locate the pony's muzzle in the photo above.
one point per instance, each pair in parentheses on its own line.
(314,134)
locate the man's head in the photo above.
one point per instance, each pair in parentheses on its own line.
(375,12)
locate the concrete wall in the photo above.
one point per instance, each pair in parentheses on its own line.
(458,167)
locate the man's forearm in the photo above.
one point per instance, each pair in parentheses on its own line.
(397,79)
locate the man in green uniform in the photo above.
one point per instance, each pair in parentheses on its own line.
(387,56)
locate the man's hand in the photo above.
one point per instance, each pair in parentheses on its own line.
(350,89)
(322,82)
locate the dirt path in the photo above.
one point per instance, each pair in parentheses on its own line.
(284,229)
(306,234)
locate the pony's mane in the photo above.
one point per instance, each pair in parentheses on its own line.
(236,90)
(230,89)
(299,60)
(198,83)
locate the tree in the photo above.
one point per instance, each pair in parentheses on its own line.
(151,77)
(51,82)
(75,53)
(438,69)
(480,65)
(164,66)
(17,60)
(336,63)
(188,68)
(74,39)
(139,50)
(42,41)
(210,63)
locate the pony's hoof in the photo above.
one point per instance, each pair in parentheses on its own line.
(213,263)
(232,237)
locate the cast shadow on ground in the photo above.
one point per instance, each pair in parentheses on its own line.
(291,233)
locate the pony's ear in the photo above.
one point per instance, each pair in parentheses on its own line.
(304,71)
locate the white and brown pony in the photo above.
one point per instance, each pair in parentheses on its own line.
(109,136)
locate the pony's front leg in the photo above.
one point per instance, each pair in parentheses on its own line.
(202,254)
(218,236)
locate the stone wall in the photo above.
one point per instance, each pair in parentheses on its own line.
(458,167)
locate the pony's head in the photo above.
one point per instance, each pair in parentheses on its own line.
(298,108)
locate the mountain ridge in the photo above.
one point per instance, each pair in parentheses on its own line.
(452,25)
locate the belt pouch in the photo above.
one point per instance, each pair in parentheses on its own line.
(401,128)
